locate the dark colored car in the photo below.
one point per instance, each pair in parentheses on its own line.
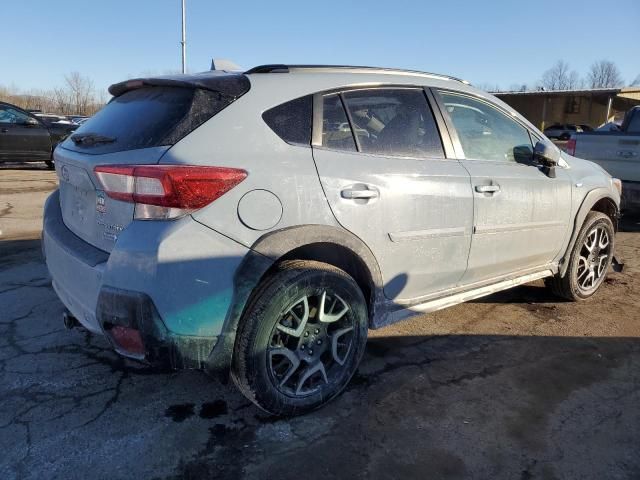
(26,138)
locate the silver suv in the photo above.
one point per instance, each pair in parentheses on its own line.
(259,223)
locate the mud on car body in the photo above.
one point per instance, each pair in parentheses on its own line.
(259,223)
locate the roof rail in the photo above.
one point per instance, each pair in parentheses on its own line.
(282,68)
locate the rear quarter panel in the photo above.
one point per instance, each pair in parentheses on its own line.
(238,137)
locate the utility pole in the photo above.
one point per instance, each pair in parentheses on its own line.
(184,39)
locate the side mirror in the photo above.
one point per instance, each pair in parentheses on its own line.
(549,156)
(31,122)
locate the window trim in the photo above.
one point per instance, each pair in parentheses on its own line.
(350,120)
(460,155)
(441,126)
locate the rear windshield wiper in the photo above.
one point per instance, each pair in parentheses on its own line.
(89,139)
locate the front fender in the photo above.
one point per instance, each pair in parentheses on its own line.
(590,199)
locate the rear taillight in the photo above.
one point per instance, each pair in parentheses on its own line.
(127,340)
(167,191)
(571,146)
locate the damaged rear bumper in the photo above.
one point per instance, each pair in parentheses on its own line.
(161,295)
(131,322)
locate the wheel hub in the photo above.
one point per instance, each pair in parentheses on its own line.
(310,344)
(313,343)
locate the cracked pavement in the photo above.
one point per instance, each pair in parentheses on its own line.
(516,385)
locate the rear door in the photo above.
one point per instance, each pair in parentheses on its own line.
(520,214)
(20,138)
(383,168)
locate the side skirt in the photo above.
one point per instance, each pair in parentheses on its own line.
(393,315)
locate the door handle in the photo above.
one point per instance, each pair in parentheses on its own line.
(359,193)
(487,188)
(4,130)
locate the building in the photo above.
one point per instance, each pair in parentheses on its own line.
(592,107)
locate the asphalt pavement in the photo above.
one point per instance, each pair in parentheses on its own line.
(518,385)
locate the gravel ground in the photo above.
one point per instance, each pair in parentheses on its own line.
(515,385)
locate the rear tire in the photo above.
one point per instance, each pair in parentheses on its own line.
(301,338)
(589,261)
(50,164)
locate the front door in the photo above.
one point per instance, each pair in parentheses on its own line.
(22,137)
(382,166)
(521,216)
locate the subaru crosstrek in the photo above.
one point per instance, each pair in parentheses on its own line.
(259,223)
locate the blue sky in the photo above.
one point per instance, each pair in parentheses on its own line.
(487,42)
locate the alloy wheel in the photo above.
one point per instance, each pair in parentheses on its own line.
(594,259)
(310,344)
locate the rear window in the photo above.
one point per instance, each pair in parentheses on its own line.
(396,122)
(336,131)
(148,117)
(634,124)
(291,121)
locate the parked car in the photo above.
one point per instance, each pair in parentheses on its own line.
(618,152)
(52,118)
(77,119)
(25,137)
(609,127)
(564,131)
(259,223)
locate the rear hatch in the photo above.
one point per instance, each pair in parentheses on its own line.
(143,120)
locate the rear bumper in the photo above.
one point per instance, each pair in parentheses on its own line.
(173,281)
(76,268)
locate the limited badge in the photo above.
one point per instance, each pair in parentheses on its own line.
(101,207)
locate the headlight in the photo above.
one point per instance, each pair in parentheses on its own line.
(618,184)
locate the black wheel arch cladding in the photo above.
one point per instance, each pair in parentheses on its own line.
(333,245)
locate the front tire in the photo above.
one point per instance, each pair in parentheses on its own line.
(301,338)
(590,259)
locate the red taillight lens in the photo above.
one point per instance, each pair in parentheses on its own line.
(128,340)
(571,146)
(177,189)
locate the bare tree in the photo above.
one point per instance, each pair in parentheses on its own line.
(77,96)
(61,100)
(636,82)
(489,87)
(80,90)
(559,77)
(604,74)
(518,87)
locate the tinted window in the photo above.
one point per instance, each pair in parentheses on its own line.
(336,132)
(394,122)
(291,121)
(150,117)
(485,132)
(634,124)
(11,115)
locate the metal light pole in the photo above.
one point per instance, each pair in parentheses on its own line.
(184,39)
